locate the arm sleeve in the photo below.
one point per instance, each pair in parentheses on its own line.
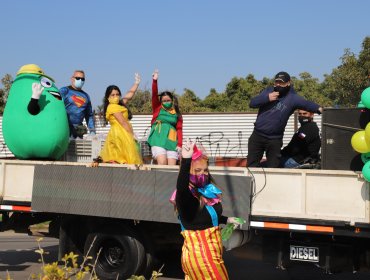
(261,99)
(223,220)
(33,107)
(313,141)
(307,105)
(89,116)
(187,204)
(63,92)
(115,108)
(179,132)
(155,99)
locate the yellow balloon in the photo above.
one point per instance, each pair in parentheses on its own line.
(359,143)
(367,133)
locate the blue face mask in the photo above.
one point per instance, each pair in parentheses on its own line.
(79,83)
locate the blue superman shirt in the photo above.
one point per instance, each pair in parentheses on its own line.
(78,107)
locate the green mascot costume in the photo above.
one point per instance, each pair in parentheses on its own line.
(35,124)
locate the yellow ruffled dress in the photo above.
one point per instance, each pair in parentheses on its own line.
(120,146)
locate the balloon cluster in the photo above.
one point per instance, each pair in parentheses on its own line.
(360,141)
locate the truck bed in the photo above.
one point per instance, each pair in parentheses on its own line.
(315,195)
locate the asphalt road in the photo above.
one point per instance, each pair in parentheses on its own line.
(18,257)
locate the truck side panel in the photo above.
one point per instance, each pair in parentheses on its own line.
(16,181)
(311,194)
(123,193)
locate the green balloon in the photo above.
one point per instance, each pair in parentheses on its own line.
(44,135)
(365,157)
(365,97)
(360,105)
(366,171)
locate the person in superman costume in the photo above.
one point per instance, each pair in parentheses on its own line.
(78,106)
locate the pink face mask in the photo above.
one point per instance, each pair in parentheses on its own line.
(199,180)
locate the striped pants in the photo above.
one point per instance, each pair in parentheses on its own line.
(202,255)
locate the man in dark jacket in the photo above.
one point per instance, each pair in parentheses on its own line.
(276,104)
(305,144)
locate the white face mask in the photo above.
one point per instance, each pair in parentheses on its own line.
(79,83)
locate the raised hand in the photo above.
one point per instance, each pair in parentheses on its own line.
(37,90)
(155,74)
(187,149)
(273,96)
(137,78)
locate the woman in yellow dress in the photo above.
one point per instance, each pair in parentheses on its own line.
(120,145)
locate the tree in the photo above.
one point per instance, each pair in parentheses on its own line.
(310,88)
(141,102)
(239,91)
(216,102)
(346,82)
(6,81)
(364,61)
(190,103)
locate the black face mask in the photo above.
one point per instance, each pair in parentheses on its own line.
(282,90)
(303,120)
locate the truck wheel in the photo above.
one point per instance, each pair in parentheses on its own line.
(121,255)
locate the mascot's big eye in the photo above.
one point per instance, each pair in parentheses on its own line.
(45,82)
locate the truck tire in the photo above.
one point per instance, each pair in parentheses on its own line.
(122,254)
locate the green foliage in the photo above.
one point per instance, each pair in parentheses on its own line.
(215,101)
(342,87)
(141,102)
(189,102)
(6,81)
(71,270)
(346,82)
(310,89)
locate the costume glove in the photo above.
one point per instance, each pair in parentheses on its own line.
(37,89)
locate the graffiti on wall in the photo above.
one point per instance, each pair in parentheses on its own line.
(217,144)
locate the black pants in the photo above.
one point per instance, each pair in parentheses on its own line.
(257,145)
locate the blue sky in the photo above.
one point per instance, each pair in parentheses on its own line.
(195,44)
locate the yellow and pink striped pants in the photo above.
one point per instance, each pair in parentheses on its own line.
(202,255)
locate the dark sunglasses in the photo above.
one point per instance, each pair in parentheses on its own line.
(79,78)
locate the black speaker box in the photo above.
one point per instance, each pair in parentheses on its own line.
(337,129)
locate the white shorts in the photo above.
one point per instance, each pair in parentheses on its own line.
(156,151)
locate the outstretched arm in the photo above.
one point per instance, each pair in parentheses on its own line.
(187,204)
(130,94)
(155,99)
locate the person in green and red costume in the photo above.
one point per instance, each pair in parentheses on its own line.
(165,138)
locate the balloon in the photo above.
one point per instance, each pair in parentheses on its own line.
(360,105)
(365,97)
(365,157)
(359,143)
(366,171)
(367,133)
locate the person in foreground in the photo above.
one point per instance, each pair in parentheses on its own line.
(305,143)
(120,145)
(198,204)
(165,138)
(275,105)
